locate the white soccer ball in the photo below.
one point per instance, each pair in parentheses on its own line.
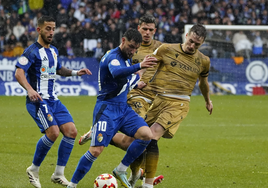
(105,181)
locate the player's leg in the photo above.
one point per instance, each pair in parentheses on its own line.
(67,128)
(140,105)
(44,118)
(122,141)
(152,154)
(167,114)
(102,133)
(133,126)
(85,164)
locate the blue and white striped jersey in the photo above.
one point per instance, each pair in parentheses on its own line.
(116,76)
(40,65)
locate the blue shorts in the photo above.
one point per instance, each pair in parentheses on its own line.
(109,118)
(47,113)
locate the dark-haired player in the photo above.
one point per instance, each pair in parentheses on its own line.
(40,62)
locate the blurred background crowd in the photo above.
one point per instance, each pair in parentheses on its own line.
(88,28)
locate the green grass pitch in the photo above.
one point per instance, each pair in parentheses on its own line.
(227,149)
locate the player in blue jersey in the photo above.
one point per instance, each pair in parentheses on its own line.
(112,113)
(40,62)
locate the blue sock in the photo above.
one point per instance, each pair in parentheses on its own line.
(83,167)
(135,149)
(64,151)
(42,147)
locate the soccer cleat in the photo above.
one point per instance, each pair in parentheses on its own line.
(71,185)
(59,180)
(86,137)
(33,177)
(133,179)
(122,177)
(158,179)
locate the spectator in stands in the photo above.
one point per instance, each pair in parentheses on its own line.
(257,49)
(62,17)
(114,35)
(66,4)
(98,51)
(12,40)
(2,43)
(79,13)
(18,30)
(264,17)
(197,7)
(25,21)
(67,50)
(8,52)
(174,36)
(243,47)
(24,38)
(159,35)
(3,19)
(13,19)
(18,50)
(61,37)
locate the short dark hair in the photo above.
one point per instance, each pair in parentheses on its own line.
(199,30)
(147,18)
(133,34)
(44,19)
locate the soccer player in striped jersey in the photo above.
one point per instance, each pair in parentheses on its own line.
(40,62)
(112,113)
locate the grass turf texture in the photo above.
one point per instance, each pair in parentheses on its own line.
(226,149)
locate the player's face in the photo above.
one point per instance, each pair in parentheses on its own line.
(129,47)
(147,31)
(46,32)
(192,42)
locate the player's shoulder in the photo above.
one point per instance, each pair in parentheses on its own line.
(157,43)
(32,49)
(114,54)
(203,57)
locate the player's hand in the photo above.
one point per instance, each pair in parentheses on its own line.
(141,84)
(34,96)
(141,72)
(148,62)
(83,72)
(209,106)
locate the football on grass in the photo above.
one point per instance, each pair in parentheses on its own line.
(105,181)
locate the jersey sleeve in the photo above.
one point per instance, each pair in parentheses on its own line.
(26,60)
(119,71)
(158,53)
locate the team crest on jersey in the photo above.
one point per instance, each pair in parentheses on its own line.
(100,137)
(55,56)
(50,118)
(173,63)
(197,61)
(23,60)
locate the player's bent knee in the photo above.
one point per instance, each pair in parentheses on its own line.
(144,133)
(96,150)
(53,132)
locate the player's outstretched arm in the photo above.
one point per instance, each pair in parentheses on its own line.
(204,87)
(67,72)
(32,94)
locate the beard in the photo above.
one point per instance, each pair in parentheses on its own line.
(46,39)
(127,55)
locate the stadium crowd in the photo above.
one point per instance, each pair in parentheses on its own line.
(88,28)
